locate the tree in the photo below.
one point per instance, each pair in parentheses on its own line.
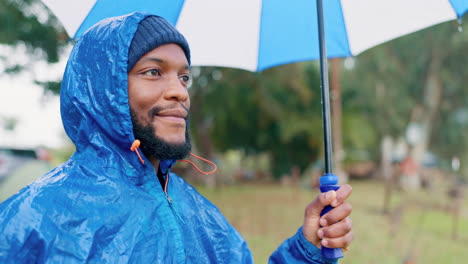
(414,79)
(275,111)
(30,24)
(8,123)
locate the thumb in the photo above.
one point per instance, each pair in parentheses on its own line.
(312,216)
(315,208)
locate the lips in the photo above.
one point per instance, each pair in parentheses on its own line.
(178,115)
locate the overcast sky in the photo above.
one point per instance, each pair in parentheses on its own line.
(39,122)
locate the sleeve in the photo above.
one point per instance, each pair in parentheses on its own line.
(297,249)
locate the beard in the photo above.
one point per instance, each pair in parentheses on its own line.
(153,146)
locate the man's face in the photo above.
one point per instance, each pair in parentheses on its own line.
(159,102)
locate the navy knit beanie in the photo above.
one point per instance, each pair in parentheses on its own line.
(153,32)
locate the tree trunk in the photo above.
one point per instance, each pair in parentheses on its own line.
(201,137)
(206,148)
(425,114)
(386,171)
(338,153)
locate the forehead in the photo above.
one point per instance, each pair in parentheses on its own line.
(168,53)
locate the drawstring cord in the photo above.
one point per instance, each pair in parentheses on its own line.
(165,183)
(134,147)
(198,169)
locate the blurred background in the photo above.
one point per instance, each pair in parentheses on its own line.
(400,116)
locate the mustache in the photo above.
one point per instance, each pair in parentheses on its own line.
(155,110)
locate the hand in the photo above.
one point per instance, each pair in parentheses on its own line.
(336,230)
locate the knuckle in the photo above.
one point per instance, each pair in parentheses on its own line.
(347,228)
(334,243)
(308,209)
(348,208)
(349,238)
(325,232)
(321,198)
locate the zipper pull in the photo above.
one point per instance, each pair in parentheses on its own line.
(173,208)
(168,198)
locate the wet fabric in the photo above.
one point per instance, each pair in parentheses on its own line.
(103,205)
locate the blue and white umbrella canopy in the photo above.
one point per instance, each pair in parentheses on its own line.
(256,35)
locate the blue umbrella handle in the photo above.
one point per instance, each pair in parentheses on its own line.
(329,182)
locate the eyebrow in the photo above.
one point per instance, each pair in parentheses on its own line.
(188,67)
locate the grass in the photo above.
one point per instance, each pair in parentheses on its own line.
(419,229)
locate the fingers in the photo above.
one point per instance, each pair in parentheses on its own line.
(329,198)
(342,194)
(336,214)
(340,242)
(336,226)
(312,216)
(315,208)
(337,235)
(336,230)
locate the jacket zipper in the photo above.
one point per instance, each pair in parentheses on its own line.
(170,201)
(168,198)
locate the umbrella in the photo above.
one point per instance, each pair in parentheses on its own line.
(256,35)
(262,34)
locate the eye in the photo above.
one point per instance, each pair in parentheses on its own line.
(186,80)
(152,72)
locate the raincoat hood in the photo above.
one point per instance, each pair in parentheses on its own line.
(94,95)
(94,92)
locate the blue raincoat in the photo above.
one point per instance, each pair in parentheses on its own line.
(103,205)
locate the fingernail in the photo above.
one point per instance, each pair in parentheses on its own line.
(325,243)
(334,203)
(323,222)
(320,233)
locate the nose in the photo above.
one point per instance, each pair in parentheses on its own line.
(176,90)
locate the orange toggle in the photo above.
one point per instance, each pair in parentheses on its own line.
(205,160)
(134,147)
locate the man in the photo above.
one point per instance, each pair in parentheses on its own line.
(125,90)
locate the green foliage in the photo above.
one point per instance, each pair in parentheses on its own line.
(16,27)
(30,23)
(8,123)
(390,80)
(275,111)
(360,136)
(50,86)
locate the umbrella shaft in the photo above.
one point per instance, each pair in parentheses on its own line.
(327,140)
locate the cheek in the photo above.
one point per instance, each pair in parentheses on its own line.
(141,98)
(187,104)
